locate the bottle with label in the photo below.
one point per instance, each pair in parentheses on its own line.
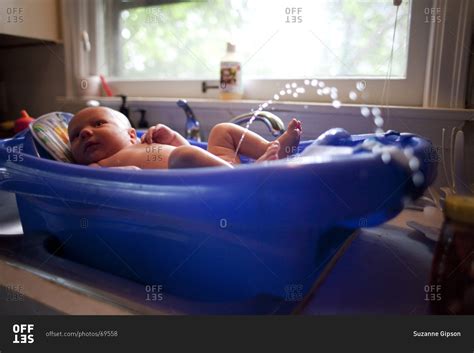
(231,86)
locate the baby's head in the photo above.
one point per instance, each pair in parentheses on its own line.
(98,133)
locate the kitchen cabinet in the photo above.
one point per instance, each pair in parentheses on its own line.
(36,19)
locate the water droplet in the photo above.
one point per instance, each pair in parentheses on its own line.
(336,104)
(321,84)
(314,83)
(352,95)
(282,92)
(126,33)
(386,157)
(377,148)
(418,178)
(125,15)
(361,85)
(288,91)
(376,111)
(379,132)
(295,95)
(287,85)
(378,121)
(365,111)
(326,90)
(408,152)
(333,95)
(294,85)
(264,105)
(306,82)
(270,102)
(334,90)
(276,97)
(414,163)
(300,90)
(319,92)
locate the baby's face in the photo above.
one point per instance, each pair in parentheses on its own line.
(96,134)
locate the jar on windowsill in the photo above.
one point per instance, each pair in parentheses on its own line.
(452,272)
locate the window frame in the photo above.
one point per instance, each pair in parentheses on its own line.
(411,91)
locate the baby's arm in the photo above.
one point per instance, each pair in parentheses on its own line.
(141,155)
(164,135)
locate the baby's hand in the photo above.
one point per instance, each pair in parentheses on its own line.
(158,134)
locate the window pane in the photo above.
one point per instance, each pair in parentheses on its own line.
(275,39)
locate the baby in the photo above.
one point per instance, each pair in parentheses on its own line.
(103,137)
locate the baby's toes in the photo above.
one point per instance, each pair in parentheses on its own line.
(298,124)
(293,124)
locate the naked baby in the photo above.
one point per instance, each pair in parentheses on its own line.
(103,137)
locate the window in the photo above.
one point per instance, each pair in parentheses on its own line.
(275,40)
(167,48)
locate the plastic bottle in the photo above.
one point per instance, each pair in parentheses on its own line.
(22,122)
(231,86)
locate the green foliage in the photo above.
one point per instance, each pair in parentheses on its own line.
(187,40)
(184,40)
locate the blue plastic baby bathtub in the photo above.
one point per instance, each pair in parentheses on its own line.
(215,234)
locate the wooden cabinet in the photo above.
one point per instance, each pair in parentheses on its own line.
(37,19)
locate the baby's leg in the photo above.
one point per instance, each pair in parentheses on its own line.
(193,157)
(224,139)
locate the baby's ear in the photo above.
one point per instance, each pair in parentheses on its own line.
(133,135)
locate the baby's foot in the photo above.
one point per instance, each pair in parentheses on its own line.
(290,139)
(271,153)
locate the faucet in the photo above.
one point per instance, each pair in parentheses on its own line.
(275,125)
(193,127)
(125,110)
